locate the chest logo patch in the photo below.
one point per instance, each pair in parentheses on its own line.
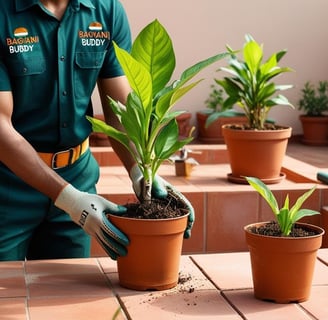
(97,26)
(94,36)
(21,41)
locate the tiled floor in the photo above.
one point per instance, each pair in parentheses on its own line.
(219,286)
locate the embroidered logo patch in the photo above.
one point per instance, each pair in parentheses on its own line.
(95,26)
(21,32)
(21,41)
(94,35)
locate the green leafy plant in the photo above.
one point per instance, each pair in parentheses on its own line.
(216,107)
(150,131)
(314,101)
(215,99)
(286,216)
(250,84)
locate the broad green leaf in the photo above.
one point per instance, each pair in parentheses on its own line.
(102,127)
(304,213)
(138,76)
(189,73)
(151,47)
(265,192)
(253,55)
(298,204)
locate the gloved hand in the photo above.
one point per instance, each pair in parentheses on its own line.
(160,191)
(88,211)
(323,177)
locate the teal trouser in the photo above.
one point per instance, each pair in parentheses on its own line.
(32,227)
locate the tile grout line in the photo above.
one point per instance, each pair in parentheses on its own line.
(221,291)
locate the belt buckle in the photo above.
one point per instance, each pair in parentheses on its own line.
(56,154)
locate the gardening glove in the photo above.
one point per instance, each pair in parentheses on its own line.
(160,191)
(89,212)
(323,177)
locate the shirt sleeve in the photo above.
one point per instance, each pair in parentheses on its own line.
(5,84)
(121,35)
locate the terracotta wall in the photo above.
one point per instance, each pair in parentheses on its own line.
(202,28)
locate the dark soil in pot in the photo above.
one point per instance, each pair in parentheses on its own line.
(170,207)
(272,229)
(245,126)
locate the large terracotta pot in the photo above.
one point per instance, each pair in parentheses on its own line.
(256,153)
(153,258)
(213,133)
(315,130)
(282,267)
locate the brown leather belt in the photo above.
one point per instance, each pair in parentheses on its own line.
(64,158)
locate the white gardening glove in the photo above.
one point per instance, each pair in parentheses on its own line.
(88,211)
(160,190)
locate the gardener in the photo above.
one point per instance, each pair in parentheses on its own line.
(52,54)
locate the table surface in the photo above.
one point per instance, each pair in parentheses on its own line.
(217,286)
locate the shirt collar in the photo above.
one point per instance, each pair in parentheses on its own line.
(22,5)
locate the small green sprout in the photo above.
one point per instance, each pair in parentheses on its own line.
(286,217)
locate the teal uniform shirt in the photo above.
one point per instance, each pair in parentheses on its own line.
(52,66)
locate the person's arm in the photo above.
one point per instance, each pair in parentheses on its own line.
(86,210)
(118,89)
(21,158)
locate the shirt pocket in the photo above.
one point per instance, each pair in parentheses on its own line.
(87,68)
(27,66)
(90,60)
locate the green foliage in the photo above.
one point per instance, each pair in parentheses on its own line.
(286,216)
(314,100)
(215,99)
(216,107)
(249,84)
(151,132)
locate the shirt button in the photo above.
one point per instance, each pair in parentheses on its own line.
(24,70)
(64,93)
(62,58)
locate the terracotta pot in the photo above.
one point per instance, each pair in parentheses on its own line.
(282,267)
(184,125)
(213,133)
(256,153)
(153,258)
(315,130)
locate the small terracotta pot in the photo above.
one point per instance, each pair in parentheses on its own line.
(153,258)
(256,153)
(315,130)
(184,125)
(213,133)
(282,267)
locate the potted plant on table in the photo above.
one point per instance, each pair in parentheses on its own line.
(210,120)
(150,134)
(258,147)
(314,102)
(283,252)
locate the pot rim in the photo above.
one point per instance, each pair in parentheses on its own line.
(147,220)
(320,231)
(281,128)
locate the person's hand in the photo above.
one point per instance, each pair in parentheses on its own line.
(89,211)
(160,191)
